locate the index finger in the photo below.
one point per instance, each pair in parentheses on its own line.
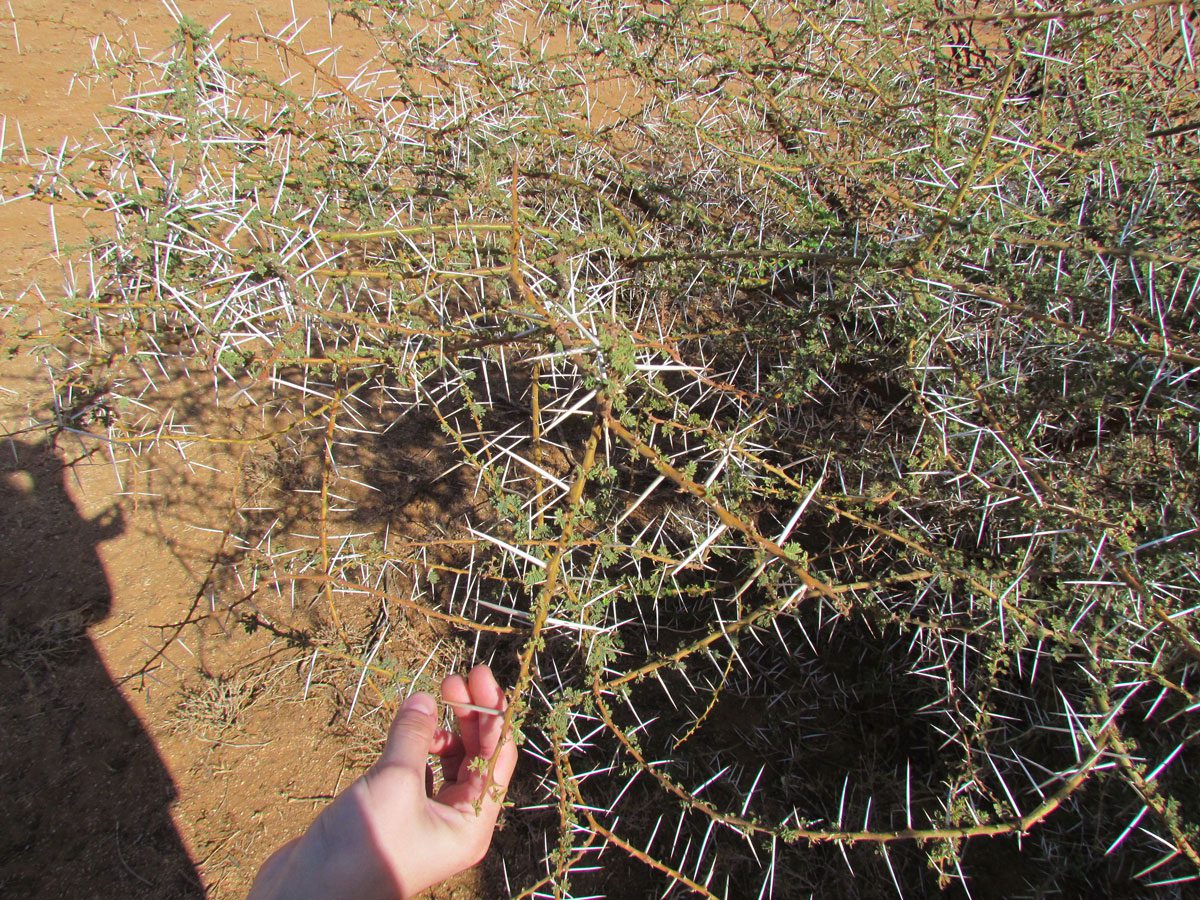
(485,691)
(456,693)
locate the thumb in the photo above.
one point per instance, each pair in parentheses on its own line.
(411,734)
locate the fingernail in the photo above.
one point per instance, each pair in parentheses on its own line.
(421,703)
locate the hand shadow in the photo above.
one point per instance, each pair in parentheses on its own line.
(88,805)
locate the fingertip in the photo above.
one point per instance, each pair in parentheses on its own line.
(481,677)
(421,703)
(455,690)
(485,690)
(411,732)
(454,687)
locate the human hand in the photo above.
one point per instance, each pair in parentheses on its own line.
(388,836)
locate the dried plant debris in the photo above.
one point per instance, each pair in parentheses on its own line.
(215,708)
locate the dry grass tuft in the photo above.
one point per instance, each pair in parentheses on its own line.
(214,709)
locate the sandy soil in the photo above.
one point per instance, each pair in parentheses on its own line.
(151,750)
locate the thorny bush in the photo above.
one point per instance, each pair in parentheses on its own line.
(794,400)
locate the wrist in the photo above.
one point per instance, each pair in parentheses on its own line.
(312,867)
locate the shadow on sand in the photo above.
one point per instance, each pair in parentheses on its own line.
(88,799)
